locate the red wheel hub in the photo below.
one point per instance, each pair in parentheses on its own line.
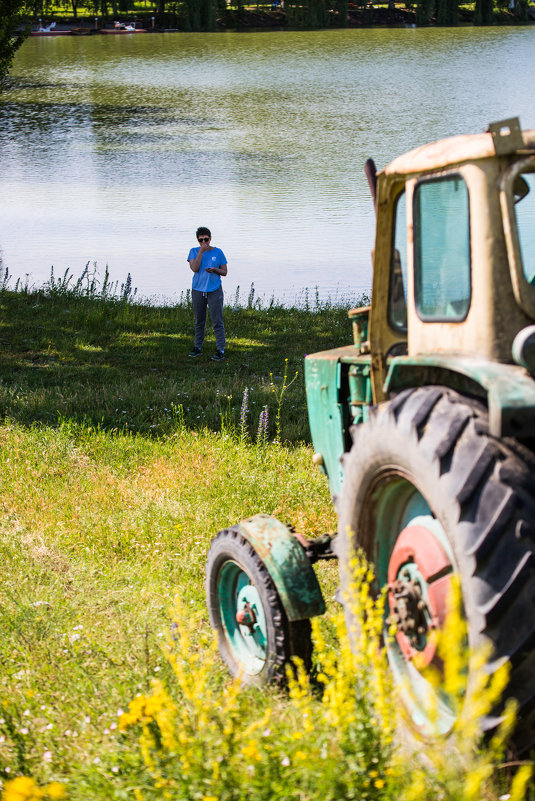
(246,616)
(419,580)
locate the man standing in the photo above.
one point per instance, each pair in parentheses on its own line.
(208,265)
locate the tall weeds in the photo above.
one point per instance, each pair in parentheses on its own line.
(331,738)
(89,285)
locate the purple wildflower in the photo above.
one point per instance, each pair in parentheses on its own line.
(263,425)
(243,414)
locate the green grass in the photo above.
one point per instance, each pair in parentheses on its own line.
(119,461)
(99,532)
(124,366)
(114,477)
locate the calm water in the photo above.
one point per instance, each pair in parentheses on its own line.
(113,149)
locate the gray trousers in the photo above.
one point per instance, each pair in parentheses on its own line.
(214,301)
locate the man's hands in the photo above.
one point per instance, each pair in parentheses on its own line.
(195,263)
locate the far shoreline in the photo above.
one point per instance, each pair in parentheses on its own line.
(255,20)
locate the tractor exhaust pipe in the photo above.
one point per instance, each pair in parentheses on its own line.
(371,175)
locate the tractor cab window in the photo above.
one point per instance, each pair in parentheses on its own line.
(397,293)
(442,249)
(524,204)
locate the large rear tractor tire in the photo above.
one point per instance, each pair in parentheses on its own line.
(428,493)
(256,639)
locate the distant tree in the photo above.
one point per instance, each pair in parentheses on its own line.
(447,12)
(484,12)
(318,14)
(194,15)
(424,10)
(520,10)
(208,15)
(68,5)
(340,7)
(14,28)
(198,15)
(293,13)
(311,13)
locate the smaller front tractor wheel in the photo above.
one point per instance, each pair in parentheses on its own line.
(256,639)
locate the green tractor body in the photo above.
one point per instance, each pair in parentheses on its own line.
(425,428)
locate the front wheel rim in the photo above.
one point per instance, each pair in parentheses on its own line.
(247,641)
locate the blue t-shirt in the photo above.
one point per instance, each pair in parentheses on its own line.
(203,281)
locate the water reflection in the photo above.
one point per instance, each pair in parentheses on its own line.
(114,149)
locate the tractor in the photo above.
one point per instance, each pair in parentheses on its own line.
(425,429)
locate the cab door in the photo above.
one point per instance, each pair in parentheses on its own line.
(388,318)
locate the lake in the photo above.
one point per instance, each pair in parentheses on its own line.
(113,149)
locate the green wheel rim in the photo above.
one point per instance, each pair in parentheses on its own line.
(398,504)
(248,644)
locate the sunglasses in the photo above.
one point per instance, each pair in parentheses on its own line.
(204,239)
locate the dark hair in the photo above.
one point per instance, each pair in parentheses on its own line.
(202,231)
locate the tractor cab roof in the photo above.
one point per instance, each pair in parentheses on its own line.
(457,150)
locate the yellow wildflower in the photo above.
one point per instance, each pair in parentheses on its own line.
(250,751)
(55,790)
(521,782)
(379,783)
(23,788)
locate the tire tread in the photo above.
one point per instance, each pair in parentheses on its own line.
(486,489)
(291,639)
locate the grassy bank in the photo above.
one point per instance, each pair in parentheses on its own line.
(123,365)
(119,460)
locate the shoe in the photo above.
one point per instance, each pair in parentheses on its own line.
(218,356)
(194,353)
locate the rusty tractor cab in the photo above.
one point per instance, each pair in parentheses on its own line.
(425,428)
